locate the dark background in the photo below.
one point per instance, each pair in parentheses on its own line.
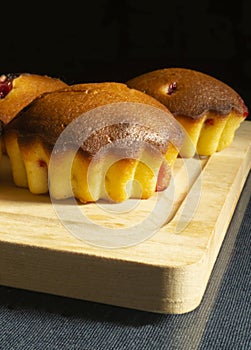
(108,40)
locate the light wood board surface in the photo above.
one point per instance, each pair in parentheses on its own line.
(164,271)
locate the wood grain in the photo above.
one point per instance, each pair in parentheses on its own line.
(166,272)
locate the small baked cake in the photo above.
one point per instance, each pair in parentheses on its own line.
(117,155)
(18,90)
(209,110)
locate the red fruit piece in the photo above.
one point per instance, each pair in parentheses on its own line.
(171,88)
(6,84)
(42,163)
(163,177)
(209,121)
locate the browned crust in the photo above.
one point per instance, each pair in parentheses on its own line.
(26,87)
(47,116)
(195,93)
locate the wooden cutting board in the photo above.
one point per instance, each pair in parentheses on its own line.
(160,263)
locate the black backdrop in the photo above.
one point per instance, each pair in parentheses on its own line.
(109,40)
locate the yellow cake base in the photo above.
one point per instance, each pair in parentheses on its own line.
(80,176)
(208,134)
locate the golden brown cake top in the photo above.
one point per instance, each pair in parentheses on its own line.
(18,90)
(186,92)
(49,115)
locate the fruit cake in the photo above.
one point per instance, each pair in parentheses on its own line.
(18,90)
(209,110)
(144,136)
